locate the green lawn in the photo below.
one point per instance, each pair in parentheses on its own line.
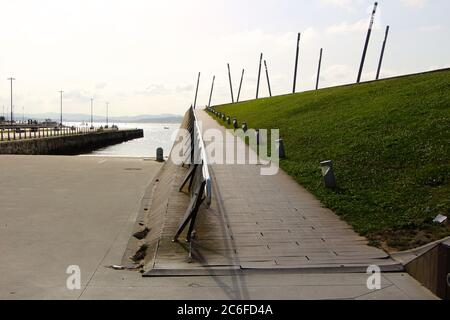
(390,144)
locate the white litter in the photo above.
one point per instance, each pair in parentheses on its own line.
(117,267)
(440,219)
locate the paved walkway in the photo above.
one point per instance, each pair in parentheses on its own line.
(60,211)
(268,222)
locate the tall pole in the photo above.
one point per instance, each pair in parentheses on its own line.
(240,85)
(267,76)
(231,85)
(107,114)
(318,70)
(92,112)
(296,62)
(196,90)
(259,75)
(366,45)
(210,94)
(61,115)
(11,79)
(382,52)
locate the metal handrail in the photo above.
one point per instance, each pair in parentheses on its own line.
(200,183)
(204,159)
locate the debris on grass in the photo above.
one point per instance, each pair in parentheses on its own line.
(440,219)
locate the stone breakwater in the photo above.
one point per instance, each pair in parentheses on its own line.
(69,145)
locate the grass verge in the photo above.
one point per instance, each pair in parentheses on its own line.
(390,144)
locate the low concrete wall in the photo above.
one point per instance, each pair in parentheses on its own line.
(69,145)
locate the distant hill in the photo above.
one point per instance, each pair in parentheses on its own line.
(79,117)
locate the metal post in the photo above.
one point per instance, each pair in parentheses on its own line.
(107,115)
(382,53)
(61,117)
(11,79)
(231,85)
(267,76)
(366,45)
(259,75)
(318,70)
(92,112)
(296,61)
(240,85)
(196,90)
(210,94)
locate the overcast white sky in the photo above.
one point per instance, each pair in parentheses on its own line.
(143,56)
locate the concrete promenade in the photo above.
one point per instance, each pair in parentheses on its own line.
(60,211)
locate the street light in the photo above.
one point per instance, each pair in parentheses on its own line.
(107,114)
(11,79)
(92,112)
(61,119)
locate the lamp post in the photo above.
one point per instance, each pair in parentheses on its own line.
(107,114)
(11,79)
(61,108)
(92,113)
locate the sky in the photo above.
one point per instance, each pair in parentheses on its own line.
(143,56)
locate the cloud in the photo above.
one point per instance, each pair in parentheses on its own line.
(80,96)
(346,27)
(101,85)
(414,3)
(153,90)
(432,28)
(351,6)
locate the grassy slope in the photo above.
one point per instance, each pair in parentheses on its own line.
(390,143)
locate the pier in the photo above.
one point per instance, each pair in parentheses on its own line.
(61,141)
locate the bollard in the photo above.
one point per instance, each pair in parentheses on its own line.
(244,126)
(328,174)
(228,120)
(281,150)
(160,155)
(223,117)
(257,136)
(235,124)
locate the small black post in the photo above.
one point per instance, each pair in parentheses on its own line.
(318,70)
(196,90)
(240,85)
(231,85)
(259,75)
(210,94)
(366,45)
(267,76)
(382,53)
(296,62)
